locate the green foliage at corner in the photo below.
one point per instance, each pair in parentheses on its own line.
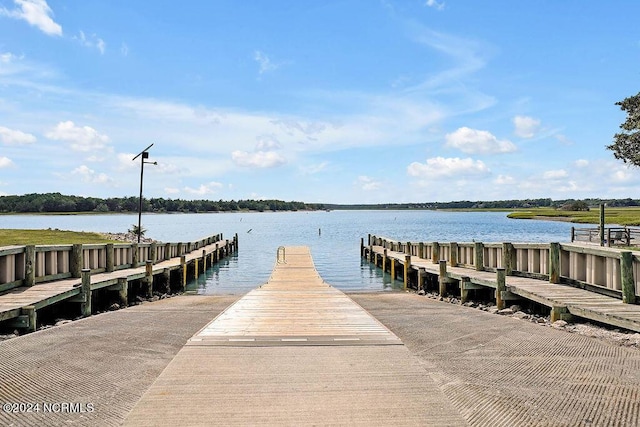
(626,144)
(48,237)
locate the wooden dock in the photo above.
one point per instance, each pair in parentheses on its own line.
(295,351)
(563,300)
(19,305)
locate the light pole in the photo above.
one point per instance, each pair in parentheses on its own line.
(144,154)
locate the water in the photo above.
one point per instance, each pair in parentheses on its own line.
(334,238)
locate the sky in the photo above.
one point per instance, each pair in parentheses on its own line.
(332,101)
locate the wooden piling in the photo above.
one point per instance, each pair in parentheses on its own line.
(166,279)
(362,246)
(76,261)
(626,275)
(30,265)
(508,258)
(435,252)
(32,316)
(204,260)
(421,276)
(85,305)
(393,268)
(135,255)
(123,292)
(195,269)
(453,254)
(407,269)
(148,278)
(183,270)
(421,250)
(464,291)
(554,262)
(153,252)
(442,278)
(109,257)
(501,286)
(167,251)
(478,249)
(560,312)
(384,261)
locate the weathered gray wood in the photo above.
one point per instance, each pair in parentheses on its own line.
(453,254)
(123,291)
(435,252)
(478,251)
(554,262)
(135,251)
(422,273)
(109,257)
(167,251)
(407,267)
(421,250)
(626,275)
(166,279)
(464,290)
(76,261)
(508,258)
(32,316)
(85,306)
(183,272)
(560,312)
(500,287)
(384,260)
(442,278)
(148,278)
(30,265)
(153,252)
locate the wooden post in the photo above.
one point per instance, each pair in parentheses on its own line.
(166,279)
(135,252)
(109,257)
(560,312)
(153,252)
(204,260)
(407,267)
(573,234)
(183,268)
(508,255)
(384,261)
(421,275)
(123,291)
(478,249)
(32,316)
(195,268)
(407,248)
(453,254)
(167,251)
(30,265)
(435,252)
(235,243)
(362,246)
(626,274)
(393,268)
(601,224)
(554,262)
(85,306)
(421,250)
(148,276)
(442,278)
(179,249)
(464,292)
(501,286)
(76,261)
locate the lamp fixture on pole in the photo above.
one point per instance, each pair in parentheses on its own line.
(144,154)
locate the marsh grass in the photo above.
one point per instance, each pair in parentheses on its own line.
(10,237)
(622,216)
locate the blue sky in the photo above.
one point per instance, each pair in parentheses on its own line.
(319,101)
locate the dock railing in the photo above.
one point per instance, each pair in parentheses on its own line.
(613,236)
(610,271)
(31,264)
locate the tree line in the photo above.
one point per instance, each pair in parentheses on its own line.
(56,202)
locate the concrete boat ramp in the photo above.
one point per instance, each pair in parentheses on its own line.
(298,352)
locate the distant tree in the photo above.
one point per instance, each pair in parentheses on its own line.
(626,144)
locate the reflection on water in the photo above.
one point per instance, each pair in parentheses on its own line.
(333,237)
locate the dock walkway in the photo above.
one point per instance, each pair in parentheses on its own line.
(564,300)
(295,351)
(19,305)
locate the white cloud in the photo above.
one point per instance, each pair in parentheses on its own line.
(267,142)
(10,136)
(368,183)
(37,13)
(439,167)
(93,41)
(434,4)
(581,163)
(555,174)
(171,190)
(478,141)
(5,162)
(89,175)
(204,189)
(314,169)
(81,138)
(526,127)
(264,62)
(124,49)
(504,180)
(258,159)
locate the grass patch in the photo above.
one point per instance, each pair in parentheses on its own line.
(622,216)
(10,237)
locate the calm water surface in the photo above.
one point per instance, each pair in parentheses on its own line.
(334,238)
